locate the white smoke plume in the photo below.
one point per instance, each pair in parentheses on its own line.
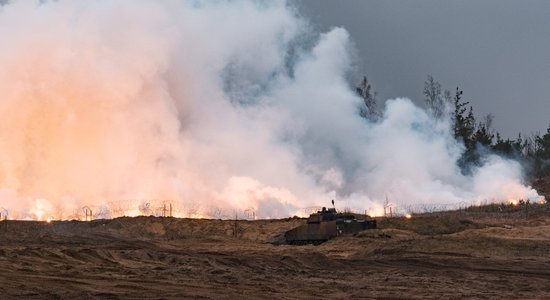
(214,107)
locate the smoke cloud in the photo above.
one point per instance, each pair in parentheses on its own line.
(214,107)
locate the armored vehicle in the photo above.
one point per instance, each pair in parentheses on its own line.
(326,224)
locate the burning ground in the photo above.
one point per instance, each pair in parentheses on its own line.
(486,252)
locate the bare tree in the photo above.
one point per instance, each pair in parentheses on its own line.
(436,99)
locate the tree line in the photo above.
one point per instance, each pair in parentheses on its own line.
(478,136)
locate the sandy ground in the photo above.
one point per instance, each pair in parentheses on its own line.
(433,256)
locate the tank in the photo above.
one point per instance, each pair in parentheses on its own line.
(326,224)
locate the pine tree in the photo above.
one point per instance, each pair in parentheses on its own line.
(463,125)
(369,110)
(542,154)
(484,135)
(508,148)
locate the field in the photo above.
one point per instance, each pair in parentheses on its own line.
(490,252)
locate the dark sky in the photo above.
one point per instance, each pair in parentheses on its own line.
(497,51)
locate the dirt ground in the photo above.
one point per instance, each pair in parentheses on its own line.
(482,255)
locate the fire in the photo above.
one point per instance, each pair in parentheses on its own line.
(41,208)
(39,213)
(178,215)
(48,220)
(408,216)
(197,216)
(132,212)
